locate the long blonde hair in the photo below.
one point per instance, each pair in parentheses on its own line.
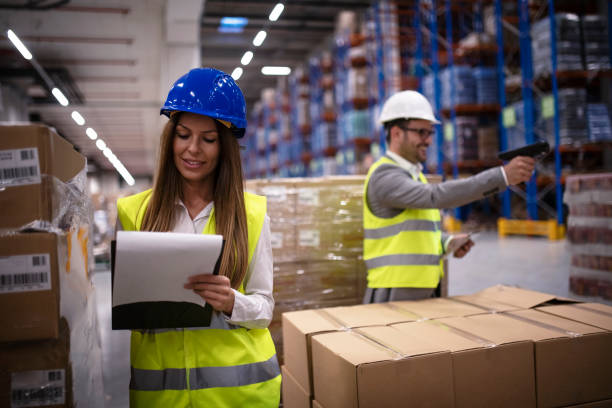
(228,197)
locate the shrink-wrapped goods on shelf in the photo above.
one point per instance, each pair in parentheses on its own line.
(357,87)
(486,85)
(569,47)
(467,139)
(573,124)
(589,234)
(488,143)
(461,79)
(596,42)
(598,117)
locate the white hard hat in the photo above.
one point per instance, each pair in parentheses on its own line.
(407,105)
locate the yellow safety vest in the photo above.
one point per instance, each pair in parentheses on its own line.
(403,251)
(218,366)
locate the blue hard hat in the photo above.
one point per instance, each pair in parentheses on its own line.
(210,92)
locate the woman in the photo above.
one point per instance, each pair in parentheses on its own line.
(199,189)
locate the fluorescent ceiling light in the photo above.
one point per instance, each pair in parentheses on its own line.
(76,116)
(19,45)
(124,173)
(275,70)
(276,12)
(237,73)
(259,38)
(60,97)
(107,152)
(100,144)
(232,24)
(246,58)
(91,133)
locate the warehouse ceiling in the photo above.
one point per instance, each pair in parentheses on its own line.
(115,59)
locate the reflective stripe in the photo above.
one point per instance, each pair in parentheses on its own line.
(233,376)
(158,380)
(403,259)
(204,377)
(408,225)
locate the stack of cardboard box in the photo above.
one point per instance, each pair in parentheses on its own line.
(317,233)
(502,347)
(49,345)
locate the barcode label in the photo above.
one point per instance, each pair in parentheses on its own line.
(37,388)
(19,167)
(308,196)
(25,273)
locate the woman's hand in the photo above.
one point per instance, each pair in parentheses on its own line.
(215,290)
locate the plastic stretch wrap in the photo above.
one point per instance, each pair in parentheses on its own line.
(589,234)
(317,242)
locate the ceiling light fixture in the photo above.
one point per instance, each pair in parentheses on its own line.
(246,58)
(100,144)
(76,116)
(237,73)
(259,38)
(276,12)
(269,70)
(60,97)
(19,45)
(91,133)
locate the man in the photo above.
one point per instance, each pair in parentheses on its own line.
(403,243)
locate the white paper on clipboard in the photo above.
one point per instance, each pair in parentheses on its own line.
(154,266)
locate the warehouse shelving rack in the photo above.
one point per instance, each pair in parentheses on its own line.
(553,228)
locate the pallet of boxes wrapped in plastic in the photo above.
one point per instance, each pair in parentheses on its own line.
(317,232)
(49,342)
(502,347)
(589,234)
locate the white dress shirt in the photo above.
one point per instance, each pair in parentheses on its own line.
(254,308)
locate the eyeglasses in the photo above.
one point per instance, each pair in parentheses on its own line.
(423,133)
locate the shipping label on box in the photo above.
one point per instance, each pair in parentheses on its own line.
(19,167)
(38,388)
(25,273)
(29,286)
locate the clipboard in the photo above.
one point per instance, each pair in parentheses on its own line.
(159,314)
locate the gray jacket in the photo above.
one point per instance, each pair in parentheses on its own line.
(391,189)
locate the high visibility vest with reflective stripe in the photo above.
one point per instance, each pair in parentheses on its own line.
(402,251)
(218,366)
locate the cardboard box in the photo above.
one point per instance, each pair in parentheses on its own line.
(37,374)
(436,308)
(379,367)
(502,298)
(29,289)
(299,327)
(41,157)
(594,314)
(575,366)
(596,404)
(573,361)
(294,396)
(483,376)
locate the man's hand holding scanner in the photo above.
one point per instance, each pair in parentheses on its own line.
(215,290)
(522,161)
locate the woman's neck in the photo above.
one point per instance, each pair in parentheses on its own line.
(196,196)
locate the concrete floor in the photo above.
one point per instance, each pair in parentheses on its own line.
(532,263)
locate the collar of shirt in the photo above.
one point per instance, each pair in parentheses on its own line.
(413,168)
(184,223)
